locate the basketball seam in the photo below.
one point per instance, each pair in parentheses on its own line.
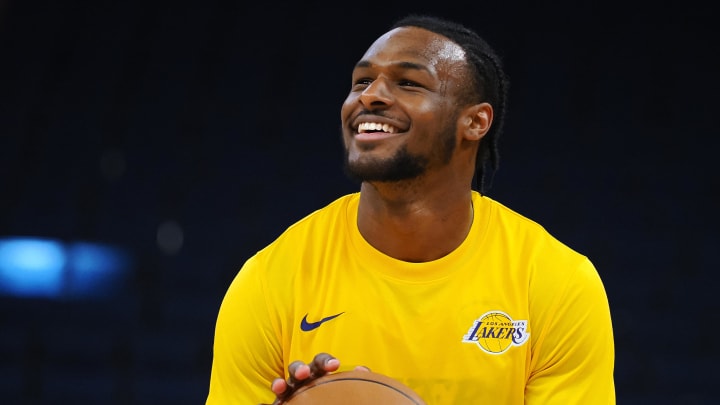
(367,380)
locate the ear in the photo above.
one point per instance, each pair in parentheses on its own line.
(475,121)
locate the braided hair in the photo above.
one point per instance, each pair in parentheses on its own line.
(489,84)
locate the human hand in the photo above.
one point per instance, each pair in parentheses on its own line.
(301,374)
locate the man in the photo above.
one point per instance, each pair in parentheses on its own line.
(419,276)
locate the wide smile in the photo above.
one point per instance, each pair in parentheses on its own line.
(371,131)
(375,127)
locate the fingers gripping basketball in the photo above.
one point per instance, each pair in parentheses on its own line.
(355,388)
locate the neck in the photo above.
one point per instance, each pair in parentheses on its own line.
(414,226)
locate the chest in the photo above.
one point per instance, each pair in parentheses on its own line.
(447,338)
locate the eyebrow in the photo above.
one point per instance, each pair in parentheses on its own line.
(403,65)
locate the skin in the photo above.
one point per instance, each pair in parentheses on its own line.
(410,79)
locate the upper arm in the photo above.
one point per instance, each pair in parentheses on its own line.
(573,358)
(246,355)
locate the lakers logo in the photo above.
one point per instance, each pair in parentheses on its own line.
(495,332)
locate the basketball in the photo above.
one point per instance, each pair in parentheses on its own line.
(355,388)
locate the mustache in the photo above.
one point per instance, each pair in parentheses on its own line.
(374,113)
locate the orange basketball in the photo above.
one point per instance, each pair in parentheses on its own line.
(355,388)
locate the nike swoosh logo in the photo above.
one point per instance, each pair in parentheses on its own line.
(308,326)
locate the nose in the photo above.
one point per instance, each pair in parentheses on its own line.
(376,95)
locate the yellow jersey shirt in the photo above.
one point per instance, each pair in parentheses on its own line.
(512,316)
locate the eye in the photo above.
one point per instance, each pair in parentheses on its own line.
(362,83)
(409,83)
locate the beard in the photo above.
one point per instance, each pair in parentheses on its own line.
(403,165)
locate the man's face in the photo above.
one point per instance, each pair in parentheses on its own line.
(399,119)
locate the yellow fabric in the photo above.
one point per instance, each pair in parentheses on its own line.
(511,316)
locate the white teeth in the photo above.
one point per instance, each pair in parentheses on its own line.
(376,126)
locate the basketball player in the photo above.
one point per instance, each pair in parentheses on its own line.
(420,275)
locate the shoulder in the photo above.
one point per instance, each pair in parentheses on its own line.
(317,227)
(528,241)
(301,242)
(502,215)
(503,219)
(555,270)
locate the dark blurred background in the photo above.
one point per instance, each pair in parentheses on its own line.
(184,136)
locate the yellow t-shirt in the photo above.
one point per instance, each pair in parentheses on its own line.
(511,316)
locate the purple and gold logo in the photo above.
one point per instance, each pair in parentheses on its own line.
(495,332)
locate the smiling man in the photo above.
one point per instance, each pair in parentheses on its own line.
(420,275)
